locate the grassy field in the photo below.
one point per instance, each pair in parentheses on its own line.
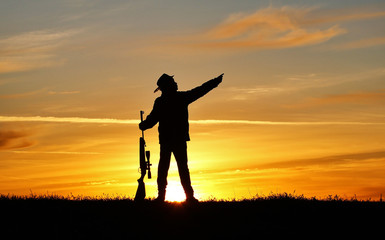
(116,217)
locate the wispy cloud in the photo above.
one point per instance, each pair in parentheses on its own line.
(344,15)
(358,97)
(43,91)
(21,95)
(56,152)
(135,122)
(31,50)
(242,94)
(14,140)
(66,120)
(285,27)
(269,28)
(254,122)
(345,98)
(63,92)
(363,43)
(335,159)
(298,82)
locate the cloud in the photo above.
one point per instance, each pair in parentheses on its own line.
(57,152)
(332,160)
(31,50)
(73,185)
(21,95)
(63,92)
(285,27)
(241,94)
(359,98)
(269,28)
(37,92)
(335,159)
(14,140)
(136,122)
(363,43)
(347,98)
(67,120)
(344,15)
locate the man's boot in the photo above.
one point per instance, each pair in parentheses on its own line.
(190,197)
(161,196)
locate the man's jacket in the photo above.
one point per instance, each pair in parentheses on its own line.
(171,111)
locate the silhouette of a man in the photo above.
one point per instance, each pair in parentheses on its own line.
(171,111)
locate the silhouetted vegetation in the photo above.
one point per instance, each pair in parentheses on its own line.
(118,197)
(51,216)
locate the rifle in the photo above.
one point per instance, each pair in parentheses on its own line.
(144,166)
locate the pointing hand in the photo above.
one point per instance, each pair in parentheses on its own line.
(220,77)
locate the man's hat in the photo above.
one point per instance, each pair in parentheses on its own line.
(163,81)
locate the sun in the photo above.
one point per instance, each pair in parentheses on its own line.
(175,193)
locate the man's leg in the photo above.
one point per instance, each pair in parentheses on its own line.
(164,165)
(180,153)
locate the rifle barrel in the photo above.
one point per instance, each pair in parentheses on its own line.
(141,119)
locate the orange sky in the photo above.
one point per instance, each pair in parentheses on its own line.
(301,107)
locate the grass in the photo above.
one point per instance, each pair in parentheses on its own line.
(70,197)
(52,216)
(118,197)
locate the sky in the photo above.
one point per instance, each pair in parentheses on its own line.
(301,108)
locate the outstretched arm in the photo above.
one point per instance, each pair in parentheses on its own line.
(206,87)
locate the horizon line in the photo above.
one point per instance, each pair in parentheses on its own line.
(202,122)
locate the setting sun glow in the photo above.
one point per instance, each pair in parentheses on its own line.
(175,192)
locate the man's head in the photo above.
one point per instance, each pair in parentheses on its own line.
(166,84)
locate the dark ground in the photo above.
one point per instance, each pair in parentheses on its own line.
(249,219)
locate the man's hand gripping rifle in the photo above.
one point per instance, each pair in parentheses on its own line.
(144,166)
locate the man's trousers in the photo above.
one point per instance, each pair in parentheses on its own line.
(180,153)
